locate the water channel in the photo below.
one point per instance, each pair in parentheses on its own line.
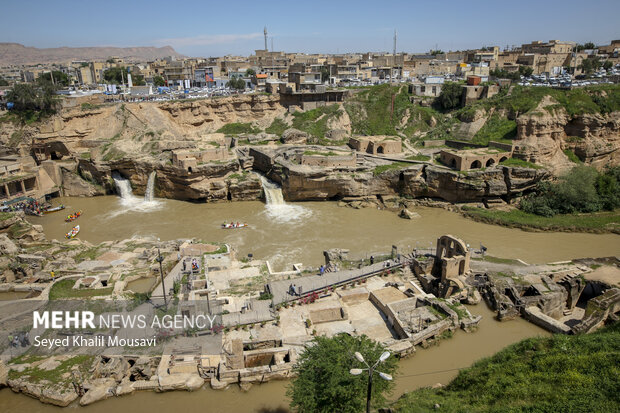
(286,234)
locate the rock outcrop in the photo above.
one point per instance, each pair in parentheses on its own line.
(294,136)
(545,133)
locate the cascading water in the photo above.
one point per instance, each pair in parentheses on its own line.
(129,201)
(279,210)
(150,187)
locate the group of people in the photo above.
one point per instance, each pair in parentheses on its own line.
(32,206)
(195,265)
(74,216)
(233,225)
(19,339)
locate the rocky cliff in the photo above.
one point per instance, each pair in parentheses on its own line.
(544,134)
(301,182)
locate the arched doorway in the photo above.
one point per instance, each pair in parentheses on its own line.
(475,165)
(490,162)
(380,149)
(453,163)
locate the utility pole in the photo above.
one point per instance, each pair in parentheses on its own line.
(159,259)
(393,60)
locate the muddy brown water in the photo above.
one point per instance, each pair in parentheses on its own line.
(437,364)
(141,285)
(299,233)
(15,295)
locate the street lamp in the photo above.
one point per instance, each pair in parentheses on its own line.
(371,370)
(159,259)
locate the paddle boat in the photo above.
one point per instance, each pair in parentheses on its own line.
(73,216)
(73,233)
(54,209)
(234,225)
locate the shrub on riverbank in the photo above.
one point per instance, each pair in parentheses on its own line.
(555,374)
(583,189)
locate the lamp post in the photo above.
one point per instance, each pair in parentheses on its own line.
(371,370)
(159,259)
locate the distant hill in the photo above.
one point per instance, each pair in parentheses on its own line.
(18,54)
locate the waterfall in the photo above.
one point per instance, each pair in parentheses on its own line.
(278,210)
(123,186)
(273,193)
(148,194)
(130,202)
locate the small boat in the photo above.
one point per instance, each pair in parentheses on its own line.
(234,225)
(73,217)
(54,209)
(73,233)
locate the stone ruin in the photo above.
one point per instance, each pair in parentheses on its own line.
(445,273)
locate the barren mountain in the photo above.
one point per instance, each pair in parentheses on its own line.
(18,54)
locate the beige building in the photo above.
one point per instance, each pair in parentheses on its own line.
(190,160)
(376,145)
(473,158)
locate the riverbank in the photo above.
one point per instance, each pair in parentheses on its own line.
(558,373)
(596,223)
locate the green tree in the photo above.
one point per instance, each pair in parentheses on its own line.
(250,72)
(582,189)
(324,74)
(526,71)
(590,65)
(158,81)
(323,382)
(3,82)
(608,64)
(450,96)
(436,52)
(115,75)
(589,45)
(236,83)
(32,102)
(137,79)
(60,78)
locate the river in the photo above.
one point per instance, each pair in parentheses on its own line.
(298,233)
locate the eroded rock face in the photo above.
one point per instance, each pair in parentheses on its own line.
(543,135)
(415,181)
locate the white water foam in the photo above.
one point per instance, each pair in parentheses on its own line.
(130,202)
(278,210)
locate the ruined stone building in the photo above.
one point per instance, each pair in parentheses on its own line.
(376,145)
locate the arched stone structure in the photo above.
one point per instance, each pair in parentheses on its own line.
(454,257)
(490,162)
(476,164)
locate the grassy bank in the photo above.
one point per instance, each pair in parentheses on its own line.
(556,374)
(64,289)
(600,222)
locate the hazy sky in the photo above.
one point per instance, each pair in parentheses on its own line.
(214,28)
